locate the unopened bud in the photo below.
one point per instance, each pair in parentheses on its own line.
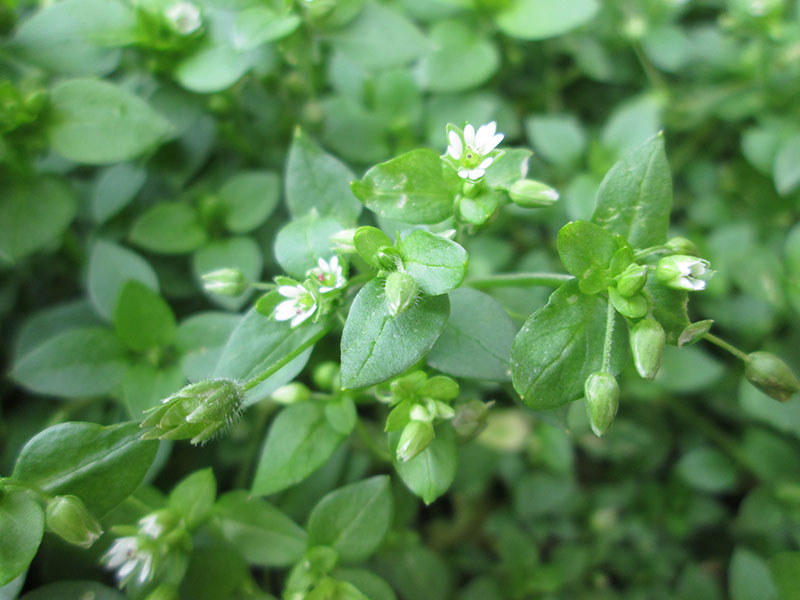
(470,419)
(680,245)
(771,375)
(634,307)
(343,241)
(291,393)
(631,281)
(225,282)
(401,292)
(198,411)
(532,194)
(683,272)
(68,517)
(647,346)
(326,375)
(439,409)
(602,400)
(388,258)
(184,17)
(416,436)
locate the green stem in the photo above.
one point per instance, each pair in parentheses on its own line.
(610,312)
(276,366)
(519,280)
(725,346)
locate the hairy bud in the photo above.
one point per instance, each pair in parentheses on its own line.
(647,346)
(416,436)
(602,400)
(402,291)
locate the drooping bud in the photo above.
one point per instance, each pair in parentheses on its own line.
(198,411)
(470,419)
(771,375)
(631,281)
(528,193)
(683,272)
(68,517)
(647,346)
(680,245)
(225,282)
(602,400)
(416,436)
(402,291)
(291,393)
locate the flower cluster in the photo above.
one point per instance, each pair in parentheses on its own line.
(314,295)
(471,152)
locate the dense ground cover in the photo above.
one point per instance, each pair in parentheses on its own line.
(475,299)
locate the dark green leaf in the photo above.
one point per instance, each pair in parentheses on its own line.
(377,346)
(586,251)
(298,443)
(110,266)
(369,584)
(100,465)
(70,590)
(785,567)
(142,319)
(415,187)
(748,577)
(169,228)
(635,197)
(193,497)
(436,263)
(249,198)
(114,188)
(22,524)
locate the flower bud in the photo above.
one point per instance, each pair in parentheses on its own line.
(602,400)
(680,245)
(683,272)
(470,419)
(388,257)
(225,282)
(326,375)
(198,411)
(631,281)
(183,17)
(343,241)
(69,518)
(647,346)
(416,436)
(634,307)
(401,292)
(291,393)
(771,375)
(528,193)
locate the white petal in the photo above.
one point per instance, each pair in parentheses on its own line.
(291,291)
(285,310)
(492,143)
(463,173)
(147,569)
(456,147)
(476,173)
(486,162)
(127,568)
(303,316)
(482,137)
(469,136)
(335,265)
(323,265)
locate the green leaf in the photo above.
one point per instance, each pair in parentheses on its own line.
(476,342)
(417,572)
(69,590)
(708,470)
(354,519)
(561,344)
(100,465)
(380,38)
(261,533)
(303,241)
(259,25)
(249,197)
(436,263)
(369,584)
(213,67)
(461,61)
(632,123)
(258,343)
(786,168)
(376,346)
(635,197)
(784,567)
(414,188)
(318,180)
(114,188)
(368,240)
(79,362)
(241,253)
(110,267)
(201,338)
(33,215)
(142,319)
(542,19)
(216,570)
(586,251)
(168,228)
(76,37)
(145,386)
(748,577)
(97,122)
(559,139)
(509,168)
(298,443)
(431,472)
(48,323)
(193,497)
(22,524)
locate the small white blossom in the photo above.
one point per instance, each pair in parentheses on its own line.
(184,17)
(684,272)
(471,150)
(151,526)
(329,275)
(128,557)
(299,306)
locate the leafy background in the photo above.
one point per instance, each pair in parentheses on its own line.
(135,159)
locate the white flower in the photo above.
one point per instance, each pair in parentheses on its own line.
(127,556)
(299,307)
(470,150)
(150,525)
(184,17)
(684,272)
(328,274)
